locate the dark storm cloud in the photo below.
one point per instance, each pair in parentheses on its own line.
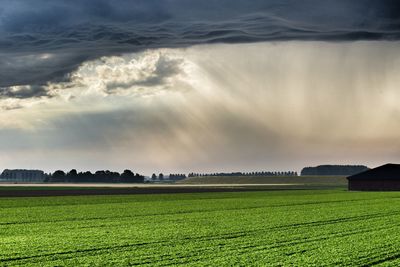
(22,92)
(75,31)
(36,68)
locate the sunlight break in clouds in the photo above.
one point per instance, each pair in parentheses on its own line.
(213,107)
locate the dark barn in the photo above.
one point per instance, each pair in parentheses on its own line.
(383,178)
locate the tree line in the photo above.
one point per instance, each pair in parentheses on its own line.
(127,176)
(261,173)
(334,170)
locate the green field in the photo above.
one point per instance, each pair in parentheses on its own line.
(268,228)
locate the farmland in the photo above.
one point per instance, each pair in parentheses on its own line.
(280,227)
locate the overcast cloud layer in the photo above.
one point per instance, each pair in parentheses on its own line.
(44,40)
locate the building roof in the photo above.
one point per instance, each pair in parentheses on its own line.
(388,171)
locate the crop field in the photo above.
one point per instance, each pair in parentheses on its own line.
(265,228)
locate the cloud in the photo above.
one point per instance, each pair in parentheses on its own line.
(21,92)
(139,74)
(73,31)
(36,69)
(154,73)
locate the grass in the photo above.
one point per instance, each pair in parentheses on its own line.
(286,228)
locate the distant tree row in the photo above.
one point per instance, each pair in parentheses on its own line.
(262,173)
(334,170)
(127,176)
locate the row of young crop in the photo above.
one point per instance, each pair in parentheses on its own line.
(298,229)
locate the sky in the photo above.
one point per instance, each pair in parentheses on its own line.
(177,86)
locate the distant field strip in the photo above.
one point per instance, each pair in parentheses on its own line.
(278,228)
(308,180)
(39,190)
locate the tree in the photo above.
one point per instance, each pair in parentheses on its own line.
(86,176)
(139,178)
(58,176)
(127,176)
(161,177)
(154,177)
(72,172)
(72,175)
